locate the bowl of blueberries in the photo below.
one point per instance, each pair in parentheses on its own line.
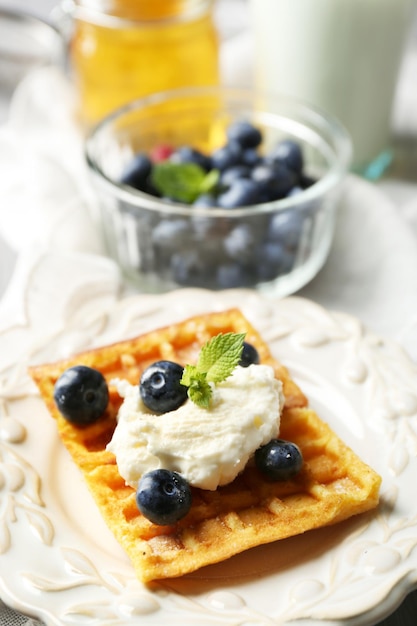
(218,188)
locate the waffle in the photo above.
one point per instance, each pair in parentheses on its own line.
(333,485)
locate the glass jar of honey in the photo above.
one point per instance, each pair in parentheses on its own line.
(120,50)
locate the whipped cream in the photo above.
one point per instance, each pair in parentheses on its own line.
(209,447)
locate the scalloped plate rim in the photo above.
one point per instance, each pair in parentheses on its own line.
(200,298)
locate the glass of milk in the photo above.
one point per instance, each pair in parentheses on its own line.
(340,55)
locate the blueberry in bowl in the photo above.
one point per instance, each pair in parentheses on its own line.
(218,188)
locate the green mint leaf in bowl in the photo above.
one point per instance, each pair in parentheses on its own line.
(209,182)
(183,182)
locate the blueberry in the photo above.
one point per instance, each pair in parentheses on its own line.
(279,459)
(227,156)
(249,356)
(170,233)
(232,275)
(288,153)
(295,191)
(286,227)
(186,154)
(81,394)
(274,179)
(188,268)
(205,201)
(247,135)
(242,192)
(251,157)
(240,243)
(230,174)
(202,226)
(160,387)
(137,172)
(274,260)
(163,497)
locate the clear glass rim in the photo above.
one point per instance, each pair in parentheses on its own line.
(92,14)
(342,149)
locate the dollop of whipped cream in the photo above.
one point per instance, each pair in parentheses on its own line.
(209,447)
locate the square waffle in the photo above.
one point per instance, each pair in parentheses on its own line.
(333,485)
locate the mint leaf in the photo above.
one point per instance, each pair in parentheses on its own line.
(189,374)
(183,182)
(219,356)
(217,360)
(200,392)
(179,181)
(209,182)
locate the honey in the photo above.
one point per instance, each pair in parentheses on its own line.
(125,49)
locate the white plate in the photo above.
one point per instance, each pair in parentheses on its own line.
(60,563)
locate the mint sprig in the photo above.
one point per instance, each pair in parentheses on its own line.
(217,360)
(183,182)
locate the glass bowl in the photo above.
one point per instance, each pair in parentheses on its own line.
(275,246)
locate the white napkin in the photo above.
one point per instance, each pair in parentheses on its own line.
(45,198)
(410,213)
(371,270)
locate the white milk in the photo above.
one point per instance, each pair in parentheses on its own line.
(341,55)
